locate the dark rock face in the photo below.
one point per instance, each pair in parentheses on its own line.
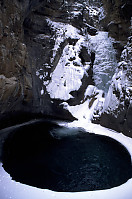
(27,43)
(117,21)
(19,86)
(15,72)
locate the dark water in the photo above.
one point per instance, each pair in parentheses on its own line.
(37,155)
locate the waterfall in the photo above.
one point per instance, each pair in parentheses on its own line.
(103,70)
(69,71)
(105,60)
(71,78)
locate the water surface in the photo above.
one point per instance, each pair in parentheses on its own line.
(48,156)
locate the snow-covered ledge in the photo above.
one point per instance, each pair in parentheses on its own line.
(15,190)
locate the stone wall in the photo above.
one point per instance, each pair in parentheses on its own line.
(15,72)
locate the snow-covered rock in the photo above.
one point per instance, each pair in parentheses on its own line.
(117,109)
(58,38)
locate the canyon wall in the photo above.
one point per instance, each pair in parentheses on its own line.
(27,43)
(117,110)
(15,70)
(46,61)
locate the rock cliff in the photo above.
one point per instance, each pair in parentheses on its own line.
(15,71)
(27,42)
(52,60)
(117,108)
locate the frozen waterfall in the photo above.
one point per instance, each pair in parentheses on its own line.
(105,59)
(69,72)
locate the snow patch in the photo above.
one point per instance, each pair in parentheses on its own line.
(62,31)
(64,80)
(92,102)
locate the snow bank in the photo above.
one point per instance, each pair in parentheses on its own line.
(85,110)
(62,31)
